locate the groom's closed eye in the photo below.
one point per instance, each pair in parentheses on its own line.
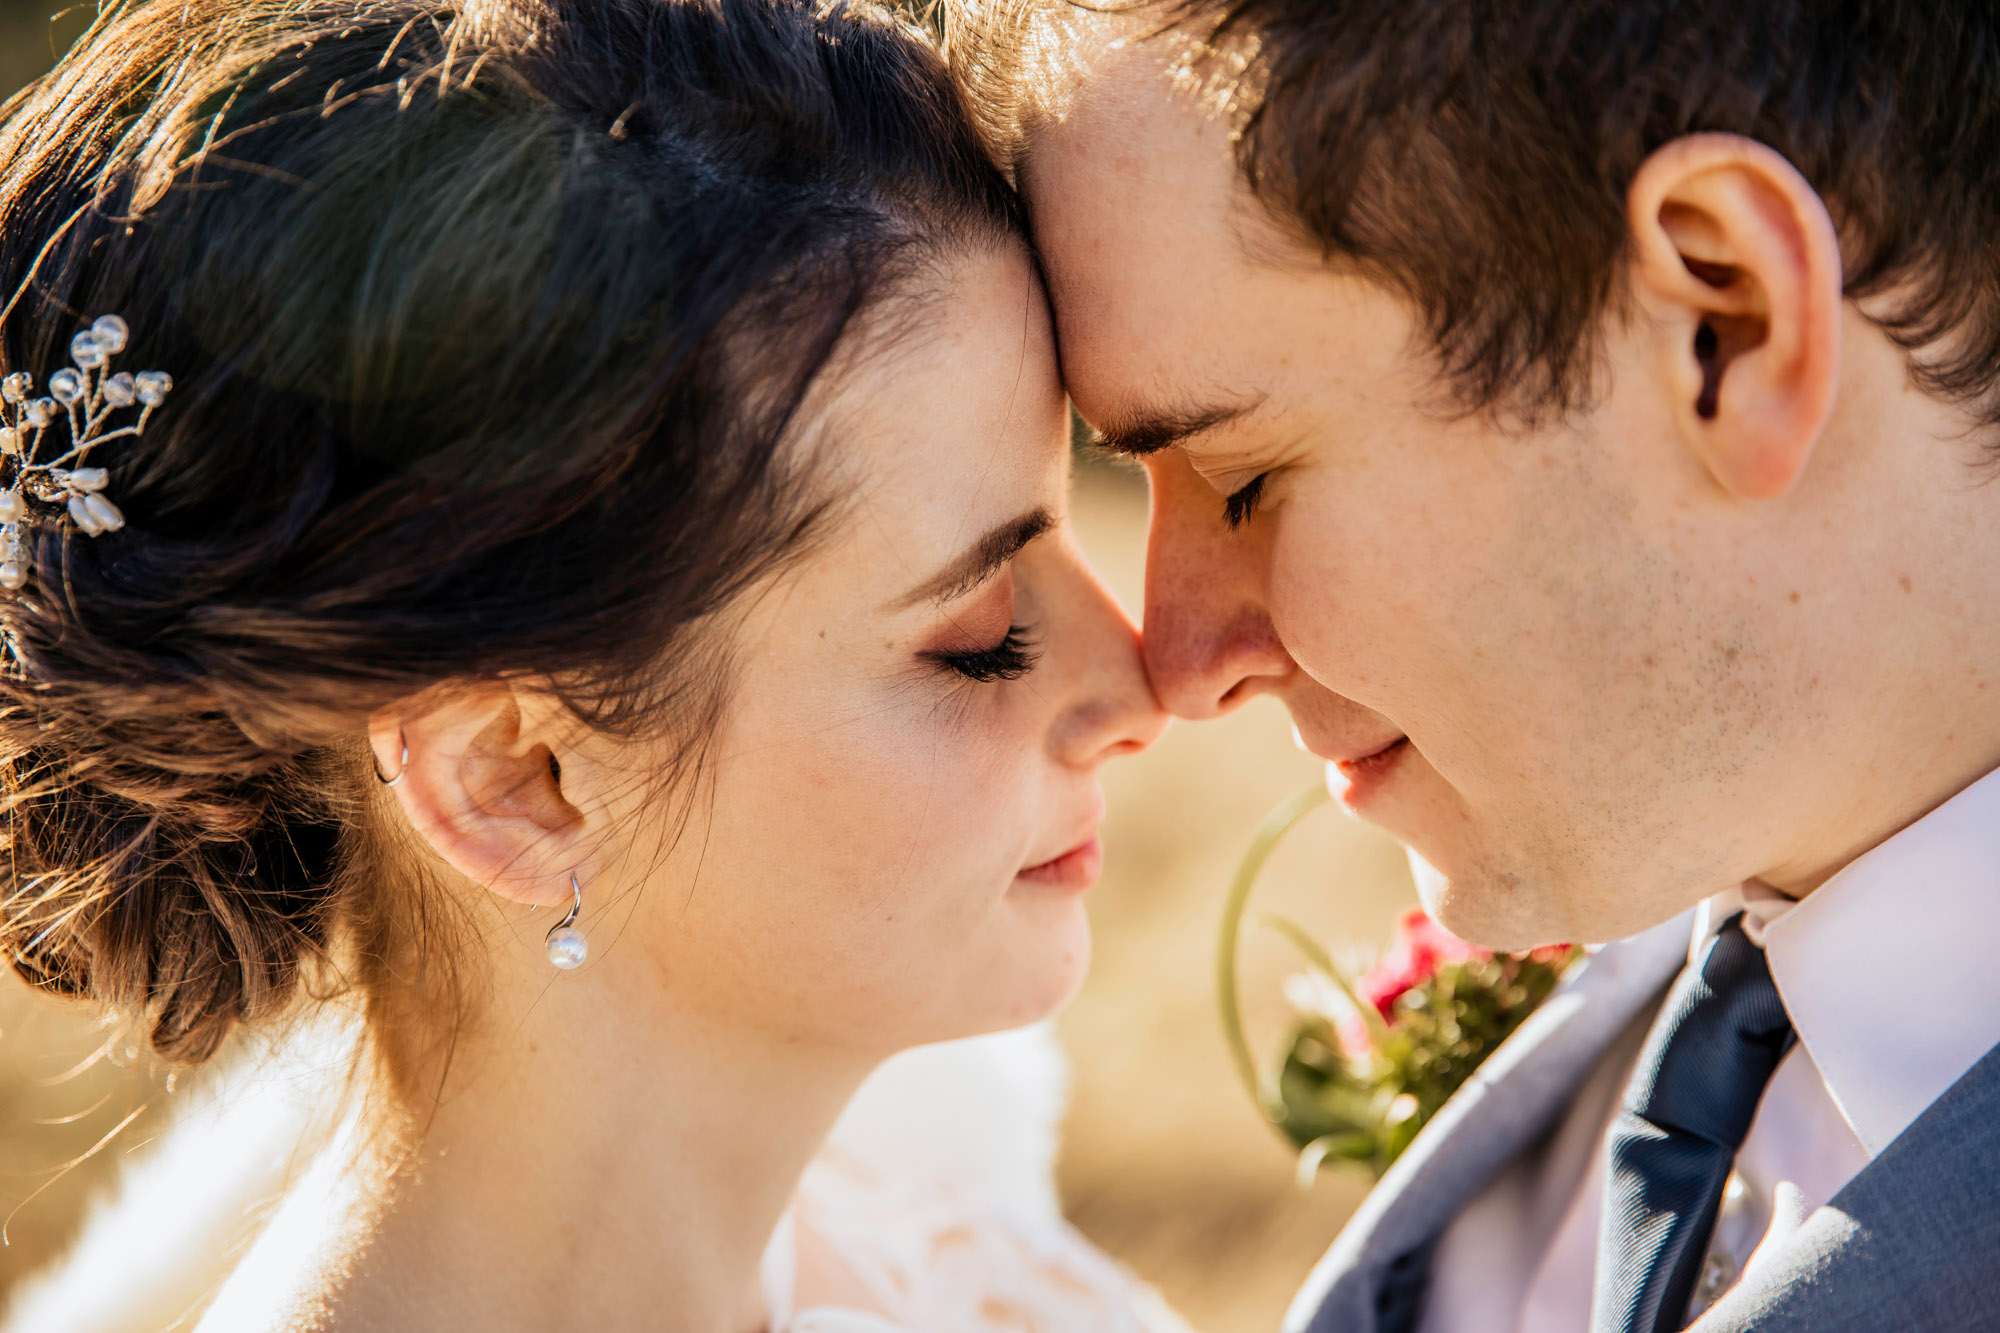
(1151,431)
(1241,503)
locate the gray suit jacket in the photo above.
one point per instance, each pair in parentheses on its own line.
(1913,1242)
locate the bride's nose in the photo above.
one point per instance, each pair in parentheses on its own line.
(1108,705)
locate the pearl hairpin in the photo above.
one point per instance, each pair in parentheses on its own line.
(87,394)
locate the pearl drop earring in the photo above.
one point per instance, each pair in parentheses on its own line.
(566,945)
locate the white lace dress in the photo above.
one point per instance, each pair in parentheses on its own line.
(936,1195)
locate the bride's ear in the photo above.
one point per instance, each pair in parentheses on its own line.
(484,786)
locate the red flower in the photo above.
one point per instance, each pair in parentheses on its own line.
(1421,947)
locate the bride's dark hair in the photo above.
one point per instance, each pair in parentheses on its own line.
(490,325)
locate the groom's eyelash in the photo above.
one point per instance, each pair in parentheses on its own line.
(1237,509)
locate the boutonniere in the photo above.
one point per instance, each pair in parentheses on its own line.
(1368,1059)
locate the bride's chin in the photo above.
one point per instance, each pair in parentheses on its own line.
(1064,966)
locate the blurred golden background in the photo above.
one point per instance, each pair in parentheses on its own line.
(1166,1163)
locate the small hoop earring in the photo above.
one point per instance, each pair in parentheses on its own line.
(567,948)
(374,759)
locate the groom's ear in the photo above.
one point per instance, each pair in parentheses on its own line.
(1736,269)
(481,781)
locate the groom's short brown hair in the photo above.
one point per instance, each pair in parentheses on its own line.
(1474,155)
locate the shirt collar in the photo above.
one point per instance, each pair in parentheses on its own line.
(1887,969)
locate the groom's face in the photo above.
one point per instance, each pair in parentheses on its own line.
(1515,650)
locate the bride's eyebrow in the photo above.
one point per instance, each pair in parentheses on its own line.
(985,558)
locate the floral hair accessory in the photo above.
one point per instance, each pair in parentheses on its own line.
(36,490)
(1370,1059)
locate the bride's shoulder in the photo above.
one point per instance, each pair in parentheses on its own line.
(936,1197)
(221,1224)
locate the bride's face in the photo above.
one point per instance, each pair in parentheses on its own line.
(899,811)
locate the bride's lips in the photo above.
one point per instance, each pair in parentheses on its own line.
(1077,868)
(1354,780)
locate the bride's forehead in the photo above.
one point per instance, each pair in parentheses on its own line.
(955,418)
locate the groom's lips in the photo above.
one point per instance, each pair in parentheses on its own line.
(1361,775)
(1353,755)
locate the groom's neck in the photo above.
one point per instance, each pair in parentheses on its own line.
(1900,673)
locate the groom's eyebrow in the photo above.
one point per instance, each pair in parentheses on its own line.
(1150,432)
(982,561)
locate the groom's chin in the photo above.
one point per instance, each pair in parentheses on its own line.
(1508,911)
(1492,911)
(1407,799)
(1502,910)
(1472,883)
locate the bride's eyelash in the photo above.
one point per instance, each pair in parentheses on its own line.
(1010,659)
(1237,509)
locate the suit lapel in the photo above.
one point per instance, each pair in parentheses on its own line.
(1912,1242)
(1370,1279)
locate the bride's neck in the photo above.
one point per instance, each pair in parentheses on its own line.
(591,1165)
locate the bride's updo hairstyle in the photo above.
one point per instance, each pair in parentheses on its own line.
(490,327)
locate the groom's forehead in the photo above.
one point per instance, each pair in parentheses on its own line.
(1129,122)
(1140,171)
(1120,183)
(1149,237)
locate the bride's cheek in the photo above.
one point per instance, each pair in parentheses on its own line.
(964,807)
(912,808)
(995,746)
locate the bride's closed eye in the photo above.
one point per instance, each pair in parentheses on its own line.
(1010,659)
(985,640)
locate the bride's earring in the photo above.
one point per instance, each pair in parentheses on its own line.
(566,945)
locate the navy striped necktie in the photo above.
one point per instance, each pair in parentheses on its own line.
(1704,1068)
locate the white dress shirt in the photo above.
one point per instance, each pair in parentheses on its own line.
(1887,973)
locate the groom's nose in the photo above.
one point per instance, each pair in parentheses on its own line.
(1208,640)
